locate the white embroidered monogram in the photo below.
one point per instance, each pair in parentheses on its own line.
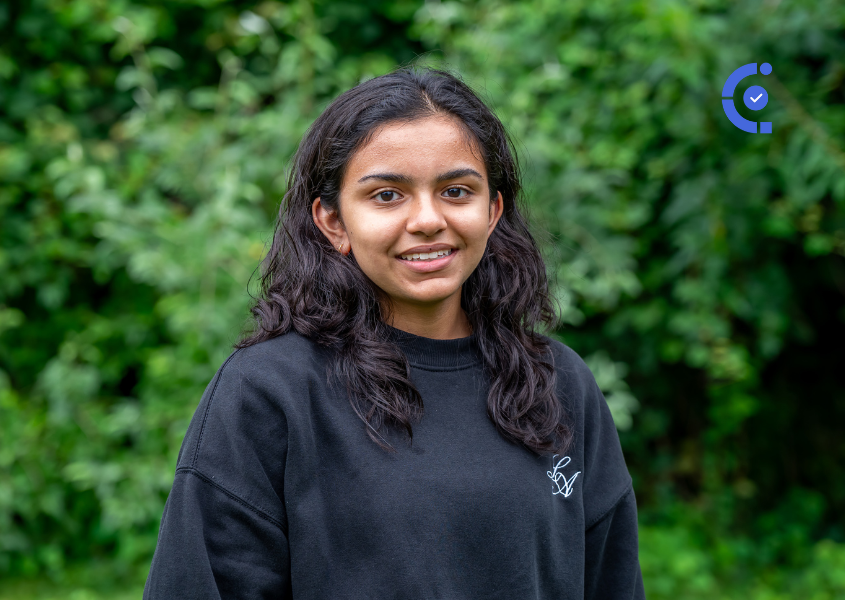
(563,485)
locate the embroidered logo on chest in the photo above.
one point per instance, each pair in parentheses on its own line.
(562,484)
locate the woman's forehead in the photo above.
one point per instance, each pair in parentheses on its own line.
(433,144)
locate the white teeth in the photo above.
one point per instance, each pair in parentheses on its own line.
(426,255)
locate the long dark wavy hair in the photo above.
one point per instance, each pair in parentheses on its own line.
(310,287)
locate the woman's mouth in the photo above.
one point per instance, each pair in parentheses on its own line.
(423,262)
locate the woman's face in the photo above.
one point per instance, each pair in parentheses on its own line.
(416,188)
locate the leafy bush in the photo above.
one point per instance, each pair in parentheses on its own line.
(143,148)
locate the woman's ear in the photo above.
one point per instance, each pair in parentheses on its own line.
(497,207)
(329,223)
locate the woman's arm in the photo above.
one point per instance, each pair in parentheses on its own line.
(214,545)
(612,567)
(224,529)
(611,560)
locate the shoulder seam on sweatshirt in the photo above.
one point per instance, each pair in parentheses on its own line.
(261,513)
(628,490)
(208,407)
(439,369)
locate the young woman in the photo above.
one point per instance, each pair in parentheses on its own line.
(395,427)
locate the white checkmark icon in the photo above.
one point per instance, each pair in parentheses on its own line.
(755,99)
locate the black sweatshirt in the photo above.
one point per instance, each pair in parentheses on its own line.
(279,492)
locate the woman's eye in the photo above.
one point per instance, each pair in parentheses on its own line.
(386,196)
(455,192)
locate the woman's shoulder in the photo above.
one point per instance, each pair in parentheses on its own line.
(290,355)
(252,396)
(238,436)
(578,389)
(266,372)
(571,370)
(287,348)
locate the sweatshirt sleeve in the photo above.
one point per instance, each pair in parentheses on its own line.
(223,533)
(612,568)
(212,545)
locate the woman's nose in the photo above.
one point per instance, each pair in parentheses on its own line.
(426,215)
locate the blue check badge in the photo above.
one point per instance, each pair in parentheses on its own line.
(754,98)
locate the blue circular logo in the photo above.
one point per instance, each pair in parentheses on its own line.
(755,97)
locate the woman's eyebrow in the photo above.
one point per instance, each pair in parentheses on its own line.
(399,178)
(394,177)
(456,173)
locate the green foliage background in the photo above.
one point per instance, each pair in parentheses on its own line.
(143,147)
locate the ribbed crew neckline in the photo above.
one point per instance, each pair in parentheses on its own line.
(429,353)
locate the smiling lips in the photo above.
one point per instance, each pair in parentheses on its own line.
(426,265)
